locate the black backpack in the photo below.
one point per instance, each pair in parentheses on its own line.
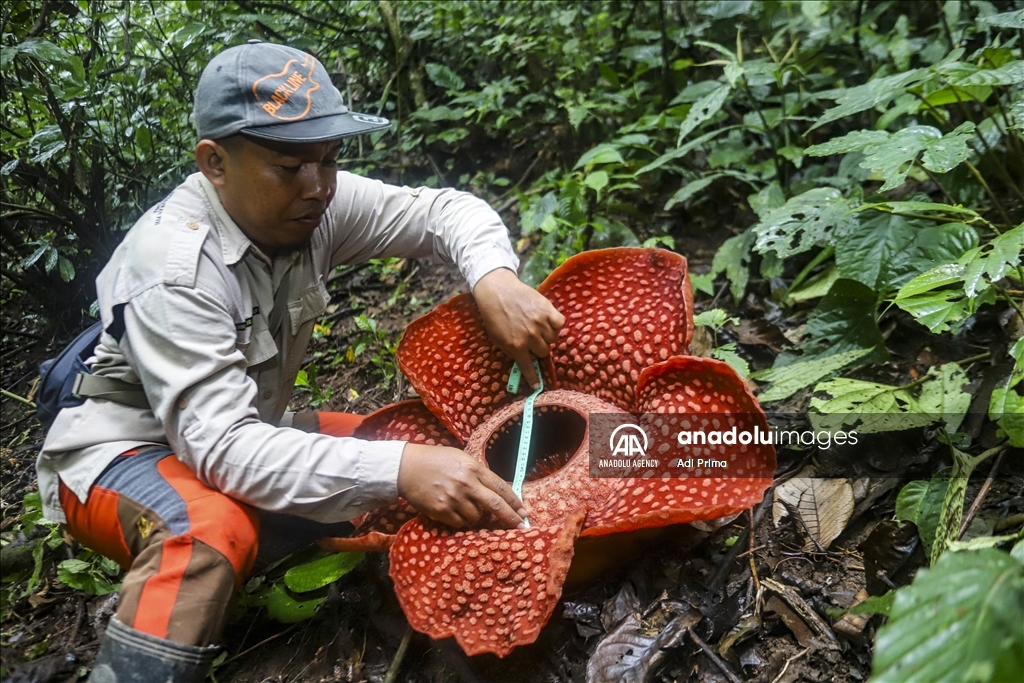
(65,381)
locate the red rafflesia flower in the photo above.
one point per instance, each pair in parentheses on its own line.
(629,320)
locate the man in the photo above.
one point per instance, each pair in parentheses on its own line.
(208,304)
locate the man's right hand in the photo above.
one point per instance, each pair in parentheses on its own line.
(456,489)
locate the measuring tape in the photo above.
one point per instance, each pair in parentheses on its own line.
(524,437)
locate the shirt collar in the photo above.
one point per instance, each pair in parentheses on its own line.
(233,242)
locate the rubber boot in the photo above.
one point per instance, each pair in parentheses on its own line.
(130,656)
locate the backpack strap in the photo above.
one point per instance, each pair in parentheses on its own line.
(116,390)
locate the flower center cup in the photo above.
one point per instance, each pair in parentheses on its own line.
(558,433)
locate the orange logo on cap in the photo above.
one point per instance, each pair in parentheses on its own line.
(295,78)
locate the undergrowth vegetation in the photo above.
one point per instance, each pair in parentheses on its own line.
(864,158)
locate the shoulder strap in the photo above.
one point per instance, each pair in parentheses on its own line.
(119,391)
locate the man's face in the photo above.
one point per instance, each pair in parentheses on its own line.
(278,192)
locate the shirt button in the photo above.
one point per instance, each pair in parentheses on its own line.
(267,394)
(192,225)
(182,404)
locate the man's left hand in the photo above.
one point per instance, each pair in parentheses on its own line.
(519,320)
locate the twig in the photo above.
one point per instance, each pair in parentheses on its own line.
(437,171)
(521,180)
(16,351)
(17,398)
(988,190)
(980,498)
(396,663)
(753,566)
(1009,522)
(30,335)
(263,642)
(734,551)
(715,659)
(788,661)
(806,612)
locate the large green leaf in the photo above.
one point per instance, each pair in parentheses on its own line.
(866,406)
(702,110)
(733,259)
(891,156)
(920,502)
(1007,74)
(872,407)
(680,152)
(973,274)
(885,251)
(605,153)
(321,571)
(1005,20)
(943,395)
(845,321)
(789,379)
(444,77)
(871,94)
(958,622)
(805,221)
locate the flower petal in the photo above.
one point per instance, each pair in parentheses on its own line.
(675,392)
(457,371)
(404,421)
(625,309)
(493,589)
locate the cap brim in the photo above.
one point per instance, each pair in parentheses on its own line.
(321,129)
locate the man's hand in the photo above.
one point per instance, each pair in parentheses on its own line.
(519,320)
(451,487)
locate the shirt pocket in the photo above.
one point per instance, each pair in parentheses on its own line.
(261,345)
(311,304)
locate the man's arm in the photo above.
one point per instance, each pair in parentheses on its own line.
(518,319)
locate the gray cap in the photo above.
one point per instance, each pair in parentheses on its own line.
(274,92)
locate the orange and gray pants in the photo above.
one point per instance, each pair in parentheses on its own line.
(186,547)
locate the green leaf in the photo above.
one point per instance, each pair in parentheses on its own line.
(767,198)
(714,318)
(314,575)
(943,395)
(728,353)
(945,154)
(866,406)
(875,604)
(958,621)
(1005,20)
(1006,407)
(733,258)
(851,142)
(872,94)
(816,287)
(67,269)
(678,152)
(844,321)
(937,311)
(301,379)
(281,605)
(439,114)
(43,50)
(597,181)
(805,221)
(884,251)
(444,77)
(690,189)
(920,502)
(702,110)
(789,379)
(604,153)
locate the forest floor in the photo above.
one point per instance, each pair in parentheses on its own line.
(703,597)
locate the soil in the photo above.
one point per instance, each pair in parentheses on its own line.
(717,575)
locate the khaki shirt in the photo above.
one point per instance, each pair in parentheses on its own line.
(200,303)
